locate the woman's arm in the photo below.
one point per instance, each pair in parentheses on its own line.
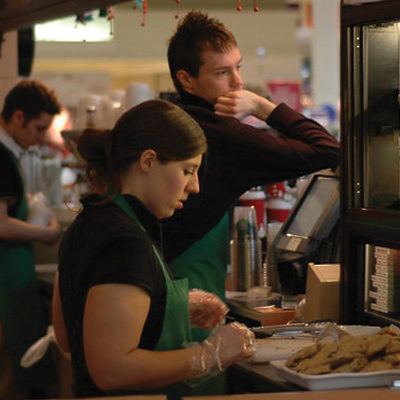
(58,320)
(113,323)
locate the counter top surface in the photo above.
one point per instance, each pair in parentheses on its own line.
(266,372)
(353,394)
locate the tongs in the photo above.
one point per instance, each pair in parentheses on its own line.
(309,328)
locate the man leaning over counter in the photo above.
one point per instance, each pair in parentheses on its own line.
(205,65)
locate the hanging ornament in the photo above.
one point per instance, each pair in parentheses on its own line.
(138,4)
(110,18)
(83,18)
(141,5)
(177,4)
(103,12)
(255,6)
(145,8)
(79,19)
(256,9)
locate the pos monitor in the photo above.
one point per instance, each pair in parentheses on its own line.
(312,218)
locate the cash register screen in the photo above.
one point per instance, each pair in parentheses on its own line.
(318,195)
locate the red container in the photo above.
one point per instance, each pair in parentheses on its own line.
(277,210)
(255,198)
(276,190)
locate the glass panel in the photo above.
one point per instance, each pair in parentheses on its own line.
(382,280)
(381,116)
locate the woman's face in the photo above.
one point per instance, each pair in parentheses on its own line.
(170,185)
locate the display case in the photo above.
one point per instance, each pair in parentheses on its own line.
(370,178)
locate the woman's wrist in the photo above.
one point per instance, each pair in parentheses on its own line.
(200,359)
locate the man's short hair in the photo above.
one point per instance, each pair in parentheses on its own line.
(33,98)
(195,33)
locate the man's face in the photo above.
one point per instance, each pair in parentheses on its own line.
(220,73)
(30,133)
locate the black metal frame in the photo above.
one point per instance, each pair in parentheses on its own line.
(359,225)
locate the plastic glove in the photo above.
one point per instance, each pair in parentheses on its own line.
(225,346)
(206,309)
(40,212)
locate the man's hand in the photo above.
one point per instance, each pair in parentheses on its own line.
(242,103)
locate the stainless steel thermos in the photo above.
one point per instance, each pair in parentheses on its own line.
(246,257)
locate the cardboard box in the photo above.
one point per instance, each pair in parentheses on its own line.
(322,292)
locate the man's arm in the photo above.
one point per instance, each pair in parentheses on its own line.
(13,229)
(241,156)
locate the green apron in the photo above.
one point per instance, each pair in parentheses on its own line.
(22,309)
(204,264)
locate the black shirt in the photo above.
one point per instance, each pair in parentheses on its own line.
(239,157)
(11,183)
(104,245)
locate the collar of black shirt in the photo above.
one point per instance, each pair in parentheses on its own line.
(148,220)
(192,100)
(150,223)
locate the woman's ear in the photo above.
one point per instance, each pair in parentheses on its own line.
(147,159)
(185,80)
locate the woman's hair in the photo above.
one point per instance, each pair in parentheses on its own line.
(33,98)
(195,33)
(156,124)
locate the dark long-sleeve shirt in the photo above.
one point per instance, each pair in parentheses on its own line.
(241,156)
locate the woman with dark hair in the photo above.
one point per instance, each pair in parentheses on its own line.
(127,319)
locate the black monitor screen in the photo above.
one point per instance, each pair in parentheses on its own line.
(317,196)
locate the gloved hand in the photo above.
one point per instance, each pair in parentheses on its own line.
(206,309)
(226,345)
